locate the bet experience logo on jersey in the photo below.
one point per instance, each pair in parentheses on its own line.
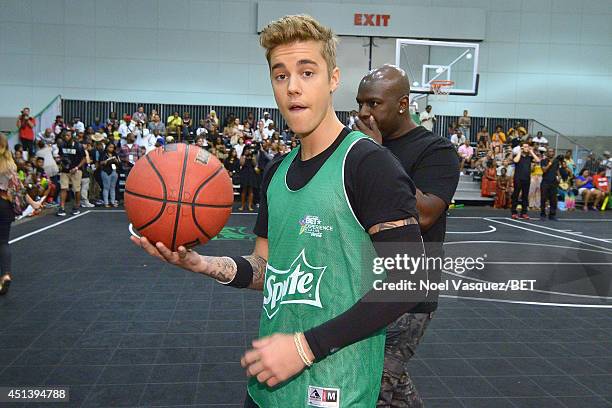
(311,225)
(298,284)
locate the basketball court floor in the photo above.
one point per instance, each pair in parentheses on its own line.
(90,311)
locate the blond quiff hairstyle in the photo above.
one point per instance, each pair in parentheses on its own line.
(295,28)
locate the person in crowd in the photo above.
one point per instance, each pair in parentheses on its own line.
(427,118)
(77,125)
(139,116)
(212,120)
(458,138)
(129,153)
(269,130)
(50,157)
(600,182)
(250,119)
(72,159)
(109,163)
(174,124)
(97,125)
(201,141)
(47,137)
(505,164)
(503,188)
(498,154)
(222,152)
(202,128)
(259,135)
(11,191)
(113,120)
(606,163)
(465,124)
(352,120)
(569,160)
(157,124)
(287,134)
(266,119)
(591,164)
(214,152)
(499,137)
(147,139)
(489,177)
(87,173)
(550,184)
(247,131)
(25,125)
(239,147)
(483,134)
(187,126)
(232,165)
(566,186)
(59,126)
(586,188)
(126,127)
(466,152)
(248,179)
(522,180)
(535,183)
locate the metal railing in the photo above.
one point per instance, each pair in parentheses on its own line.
(559,142)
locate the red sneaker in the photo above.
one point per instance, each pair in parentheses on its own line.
(525,216)
(515,216)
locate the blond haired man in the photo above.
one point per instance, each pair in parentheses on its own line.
(325,207)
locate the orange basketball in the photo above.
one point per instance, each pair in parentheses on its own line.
(178,195)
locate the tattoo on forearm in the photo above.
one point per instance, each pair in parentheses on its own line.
(259,270)
(393,224)
(222,268)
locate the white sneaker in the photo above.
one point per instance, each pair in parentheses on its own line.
(462,173)
(87,204)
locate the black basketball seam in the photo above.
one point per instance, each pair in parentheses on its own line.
(180,196)
(176,202)
(163,208)
(193,214)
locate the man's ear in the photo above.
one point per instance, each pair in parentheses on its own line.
(404,103)
(334,81)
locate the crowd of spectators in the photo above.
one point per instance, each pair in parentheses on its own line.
(70,159)
(513,162)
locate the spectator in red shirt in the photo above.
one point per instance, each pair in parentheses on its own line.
(25,124)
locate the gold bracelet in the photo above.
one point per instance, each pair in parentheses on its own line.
(300,349)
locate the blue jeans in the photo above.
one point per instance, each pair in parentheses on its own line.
(109,182)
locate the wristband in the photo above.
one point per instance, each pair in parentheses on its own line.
(244,273)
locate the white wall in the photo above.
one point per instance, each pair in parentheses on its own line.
(546,59)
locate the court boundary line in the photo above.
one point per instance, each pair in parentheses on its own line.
(572,233)
(520,302)
(608,250)
(29,234)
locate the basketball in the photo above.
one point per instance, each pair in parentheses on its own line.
(178,195)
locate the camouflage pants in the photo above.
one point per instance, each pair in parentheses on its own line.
(403,336)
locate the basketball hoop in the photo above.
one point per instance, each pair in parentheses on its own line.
(441,88)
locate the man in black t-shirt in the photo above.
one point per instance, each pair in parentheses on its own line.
(522,179)
(432,163)
(72,159)
(548,187)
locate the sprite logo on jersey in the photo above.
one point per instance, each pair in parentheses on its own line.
(298,284)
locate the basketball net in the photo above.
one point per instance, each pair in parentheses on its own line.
(441,89)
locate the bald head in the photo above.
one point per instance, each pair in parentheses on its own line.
(384,94)
(393,79)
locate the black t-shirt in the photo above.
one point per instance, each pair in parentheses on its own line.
(550,176)
(431,162)
(522,169)
(71,154)
(377,187)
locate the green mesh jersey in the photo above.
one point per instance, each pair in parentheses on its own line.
(317,250)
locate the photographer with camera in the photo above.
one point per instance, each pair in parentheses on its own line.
(109,163)
(522,179)
(25,124)
(550,183)
(72,158)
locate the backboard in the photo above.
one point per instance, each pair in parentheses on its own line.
(425,61)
